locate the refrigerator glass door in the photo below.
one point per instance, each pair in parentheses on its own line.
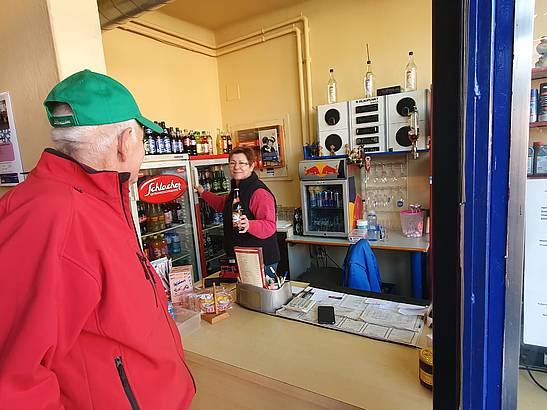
(325,208)
(214,176)
(166,228)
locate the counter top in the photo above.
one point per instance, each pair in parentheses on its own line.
(353,369)
(396,242)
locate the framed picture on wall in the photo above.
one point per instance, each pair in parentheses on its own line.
(267,143)
(11,167)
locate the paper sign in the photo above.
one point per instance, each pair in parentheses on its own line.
(250,265)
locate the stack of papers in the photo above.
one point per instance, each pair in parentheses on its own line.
(364,316)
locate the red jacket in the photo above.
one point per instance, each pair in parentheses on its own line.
(83,317)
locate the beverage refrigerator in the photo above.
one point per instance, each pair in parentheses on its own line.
(162,206)
(331,200)
(211,172)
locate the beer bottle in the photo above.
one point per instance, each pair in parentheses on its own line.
(166,139)
(237,211)
(150,142)
(143,219)
(224,144)
(160,143)
(193,143)
(168,216)
(178,213)
(204,143)
(174,141)
(185,142)
(225,182)
(229,143)
(220,149)
(210,143)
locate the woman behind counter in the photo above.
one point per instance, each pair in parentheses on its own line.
(257,227)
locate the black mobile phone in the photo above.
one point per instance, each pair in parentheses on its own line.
(325,315)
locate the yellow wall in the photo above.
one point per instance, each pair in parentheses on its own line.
(28,69)
(267,73)
(43,41)
(76,36)
(170,84)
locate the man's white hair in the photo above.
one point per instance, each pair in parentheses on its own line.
(87,141)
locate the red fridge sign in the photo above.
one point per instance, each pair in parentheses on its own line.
(162,188)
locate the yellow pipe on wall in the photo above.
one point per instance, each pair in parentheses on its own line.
(305,89)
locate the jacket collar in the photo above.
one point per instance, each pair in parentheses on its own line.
(244,183)
(58,166)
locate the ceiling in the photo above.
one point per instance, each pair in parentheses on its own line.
(215,14)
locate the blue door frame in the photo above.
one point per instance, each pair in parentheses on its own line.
(489,62)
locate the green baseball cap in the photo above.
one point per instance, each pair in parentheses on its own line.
(95,99)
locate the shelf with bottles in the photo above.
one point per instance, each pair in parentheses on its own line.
(213,179)
(158,218)
(325,208)
(215,256)
(175,226)
(213,226)
(194,143)
(179,256)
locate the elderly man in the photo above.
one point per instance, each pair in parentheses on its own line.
(83,317)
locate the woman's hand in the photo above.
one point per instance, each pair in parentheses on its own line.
(243,224)
(199,188)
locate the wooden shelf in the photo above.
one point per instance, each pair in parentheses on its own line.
(538,124)
(538,73)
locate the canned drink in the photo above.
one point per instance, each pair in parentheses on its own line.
(533,105)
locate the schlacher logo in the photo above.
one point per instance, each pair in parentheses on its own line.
(162,188)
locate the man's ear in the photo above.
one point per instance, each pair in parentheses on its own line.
(124,140)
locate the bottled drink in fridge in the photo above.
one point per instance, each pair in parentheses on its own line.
(411,74)
(143,219)
(331,88)
(167,214)
(237,210)
(186,145)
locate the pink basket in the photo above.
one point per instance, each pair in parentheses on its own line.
(412,223)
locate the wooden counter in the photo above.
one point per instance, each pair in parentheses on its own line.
(279,363)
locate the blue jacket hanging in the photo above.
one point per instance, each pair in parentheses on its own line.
(360,268)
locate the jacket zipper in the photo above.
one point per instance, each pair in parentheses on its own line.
(148,275)
(125,383)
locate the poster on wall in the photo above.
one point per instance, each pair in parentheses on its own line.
(535,286)
(11,167)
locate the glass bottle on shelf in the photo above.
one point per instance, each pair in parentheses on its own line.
(229,145)
(204,143)
(186,144)
(210,143)
(331,88)
(166,139)
(369,81)
(160,143)
(411,73)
